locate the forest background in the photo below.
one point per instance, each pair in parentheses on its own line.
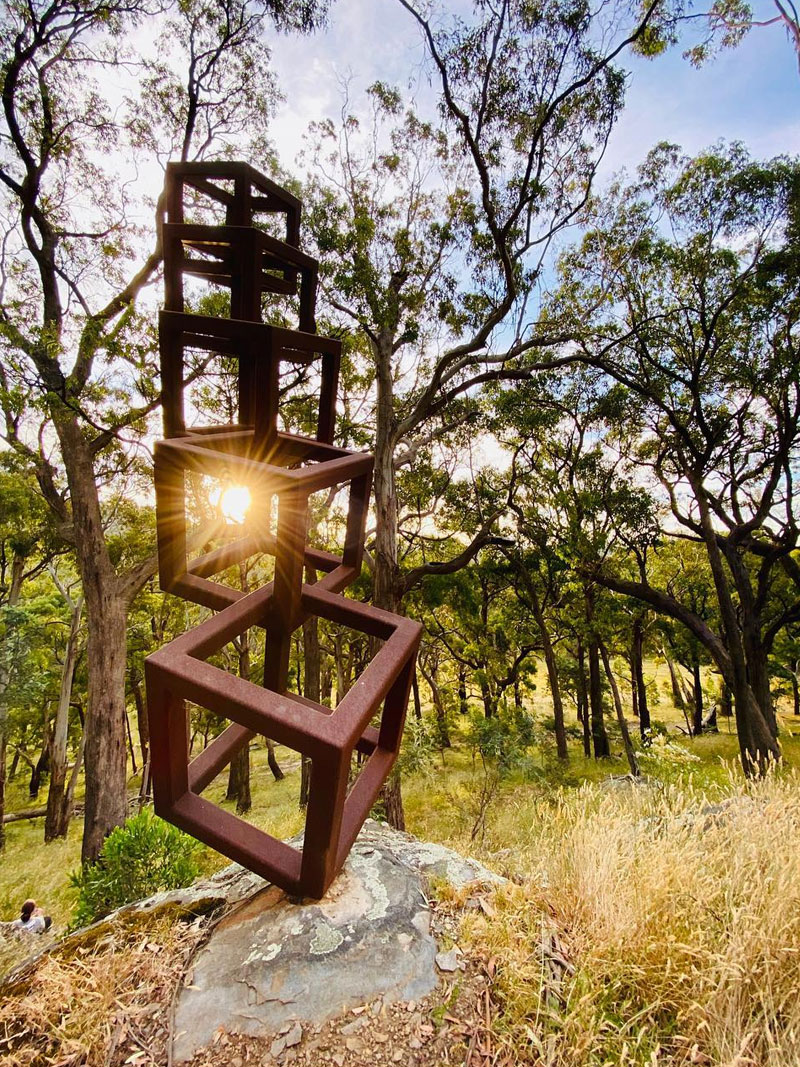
(581,391)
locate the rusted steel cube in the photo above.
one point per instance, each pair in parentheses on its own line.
(232,187)
(336,810)
(293,469)
(242,259)
(259,350)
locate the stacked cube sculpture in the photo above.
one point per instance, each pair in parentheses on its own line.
(237,253)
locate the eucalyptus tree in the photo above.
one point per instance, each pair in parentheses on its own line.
(576,505)
(80,245)
(686,292)
(433,230)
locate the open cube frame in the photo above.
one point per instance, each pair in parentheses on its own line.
(180,672)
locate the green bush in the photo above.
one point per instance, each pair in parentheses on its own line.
(142,857)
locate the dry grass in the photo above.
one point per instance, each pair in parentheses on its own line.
(683,926)
(101,1005)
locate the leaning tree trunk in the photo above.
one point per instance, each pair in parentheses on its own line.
(42,764)
(600,744)
(416,695)
(677,693)
(57,819)
(630,755)
(431,677)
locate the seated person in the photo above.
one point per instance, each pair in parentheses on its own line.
(32,920)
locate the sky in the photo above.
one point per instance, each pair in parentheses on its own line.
(751,93)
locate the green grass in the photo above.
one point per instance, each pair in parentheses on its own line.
(440,800)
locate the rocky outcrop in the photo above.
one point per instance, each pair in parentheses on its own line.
(274,966)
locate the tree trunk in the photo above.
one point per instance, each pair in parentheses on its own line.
(15,589)
(239,780)
(386,592)
(637,653)
(311,683)
(630,755)
(239,771)
(697,686)
(129,733)
(677,693)
(463,704)
(392,797)
(517,695)
(417,698)
(552,675)
(431,677)
(142,724)
(634,689)
(385,576)
(57,820)
(486,696)
(12,770)
(758,673)
(105,758)
(755,725)
(726,704)
(69,797)
(599,736)
(42,765)
(106,612)
(795,692)
(272,762)
(3,744)
(582,702)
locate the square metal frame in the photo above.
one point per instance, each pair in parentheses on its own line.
(253,193)
(229,456)
(259,350)
(180,672)
(241,259)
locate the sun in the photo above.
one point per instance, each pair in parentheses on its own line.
(234,502)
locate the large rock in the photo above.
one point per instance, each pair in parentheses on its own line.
(271,963)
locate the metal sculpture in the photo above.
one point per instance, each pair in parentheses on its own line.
(228,247)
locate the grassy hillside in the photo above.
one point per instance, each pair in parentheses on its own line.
(674,904)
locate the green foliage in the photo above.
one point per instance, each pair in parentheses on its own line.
(503,739)
(142,857)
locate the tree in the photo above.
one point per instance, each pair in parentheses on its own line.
(576,505)
(432,234)
(729,21)
(78,368)
(688,291)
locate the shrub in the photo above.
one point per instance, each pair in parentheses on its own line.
(138,859)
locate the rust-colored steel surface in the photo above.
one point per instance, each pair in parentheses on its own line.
(226,243)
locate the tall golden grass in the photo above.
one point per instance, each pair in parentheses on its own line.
(681,918)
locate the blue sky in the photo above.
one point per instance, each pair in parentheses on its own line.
(751,93)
